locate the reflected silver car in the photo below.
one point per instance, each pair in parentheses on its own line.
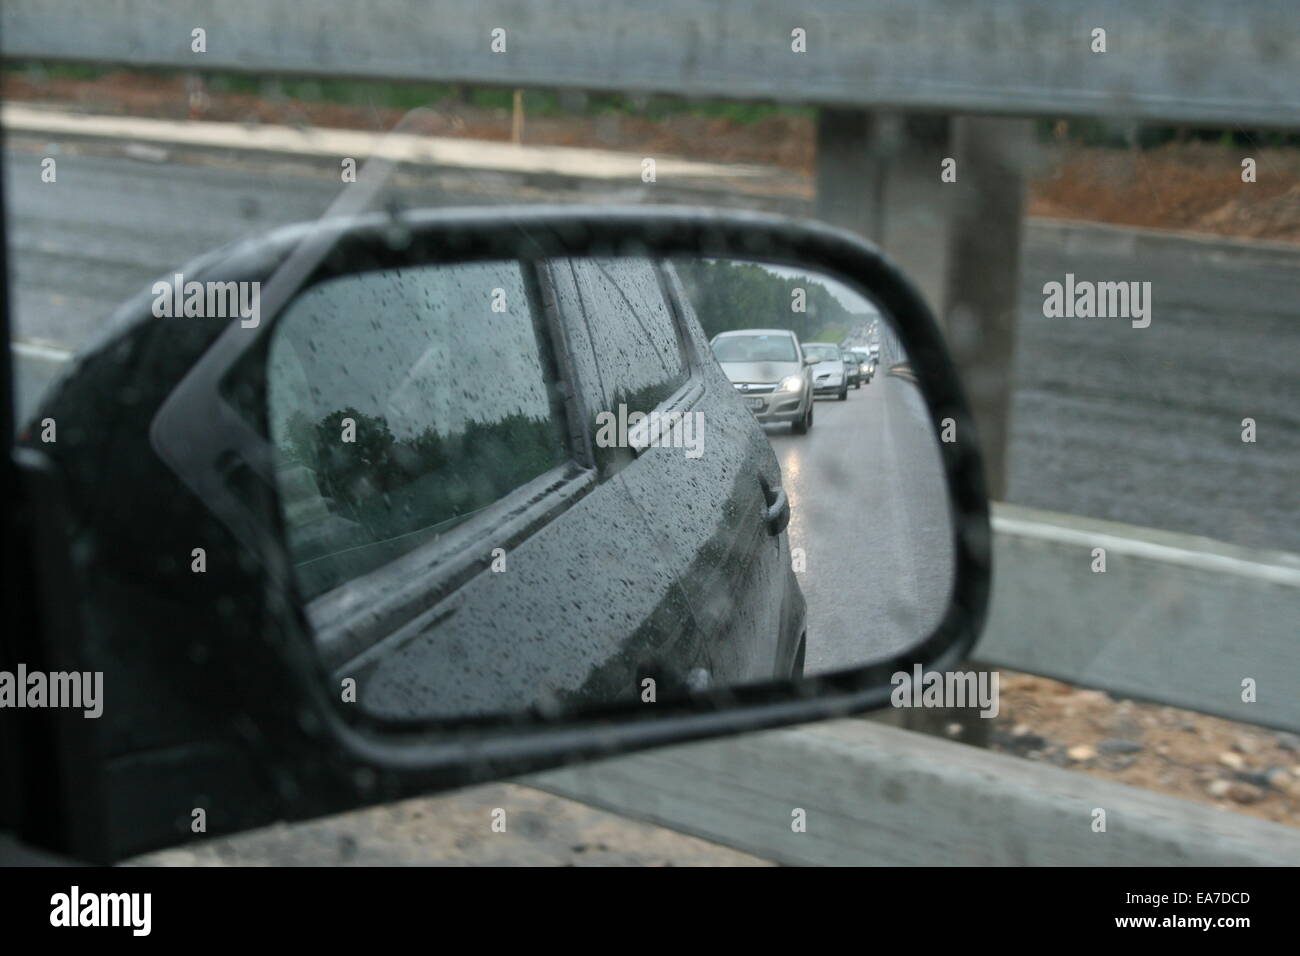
(829,374)
(768,367)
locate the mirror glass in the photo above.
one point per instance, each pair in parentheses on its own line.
(521,487)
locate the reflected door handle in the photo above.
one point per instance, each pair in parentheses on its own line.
(778,510)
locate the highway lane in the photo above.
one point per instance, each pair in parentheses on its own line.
(110,226)
(1135,425)
(869,508)
(1144,425)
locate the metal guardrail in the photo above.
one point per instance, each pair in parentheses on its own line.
(1174,618)
(1201,61)
(877,795)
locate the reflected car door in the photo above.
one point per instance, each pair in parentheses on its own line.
(705,481)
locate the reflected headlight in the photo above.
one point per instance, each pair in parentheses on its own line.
(791,383)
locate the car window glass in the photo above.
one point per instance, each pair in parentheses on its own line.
(755,348)
(823,353)
(632,331)
(401,404)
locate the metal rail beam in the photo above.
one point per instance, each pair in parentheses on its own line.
(1183,61)
(876,795)
(1174,618)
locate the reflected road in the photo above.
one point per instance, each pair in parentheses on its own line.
(869,508)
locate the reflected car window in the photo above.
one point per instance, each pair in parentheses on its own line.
(632,331)
(823,353)
(402,403)
(755,348)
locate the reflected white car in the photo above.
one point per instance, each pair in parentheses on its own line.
(771,371)
(828,374)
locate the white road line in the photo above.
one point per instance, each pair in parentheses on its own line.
(1137,548)
(36,349)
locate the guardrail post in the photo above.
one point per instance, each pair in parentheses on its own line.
(944,198)
(849,179)
(882,175)
(878,174)
(983,278)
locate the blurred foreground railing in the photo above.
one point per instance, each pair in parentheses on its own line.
(877,795)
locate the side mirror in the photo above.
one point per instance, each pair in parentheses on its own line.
(810,360)
(473,497)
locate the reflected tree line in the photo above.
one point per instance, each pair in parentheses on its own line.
(393,486)
(741,295)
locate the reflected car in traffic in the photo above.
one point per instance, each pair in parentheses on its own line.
(852,368)
(866,364)
(771,371)
(829,375)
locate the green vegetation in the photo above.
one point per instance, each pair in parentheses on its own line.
(1100,132)
(387,94)
(393,487)
(832,336)
(741,295)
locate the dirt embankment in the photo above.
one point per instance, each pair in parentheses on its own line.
(1189,186)
(1184,754)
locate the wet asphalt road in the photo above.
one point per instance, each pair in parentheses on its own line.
(869,508)
(1144,426)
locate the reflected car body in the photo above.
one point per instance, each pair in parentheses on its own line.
(767,368)
(704,594)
